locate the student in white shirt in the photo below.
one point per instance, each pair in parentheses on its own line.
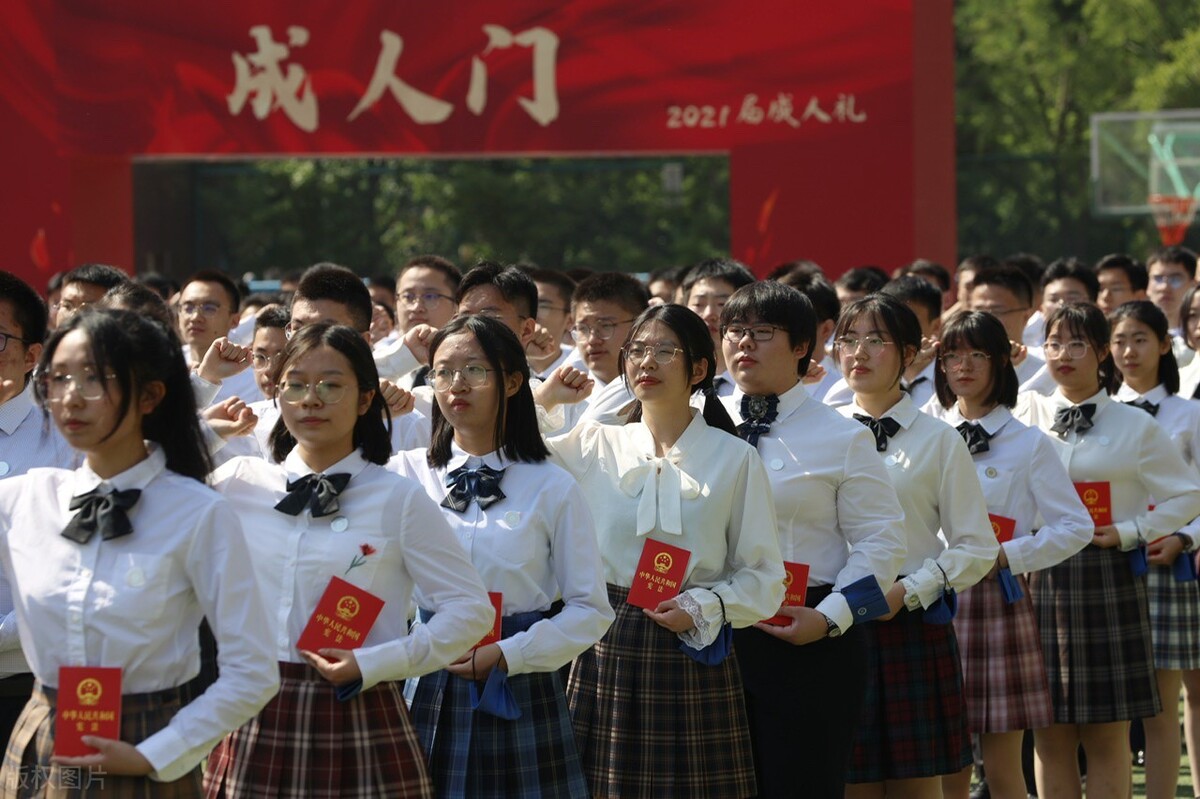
(1189,336)
(114,564)
(1092,608)
(603,308)
(650,720)
(330,509)
(838,516)
(526,527)
(706,288)
(1141,350)
(1026,487)
(914,673)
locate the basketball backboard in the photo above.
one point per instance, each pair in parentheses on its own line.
(1137,155)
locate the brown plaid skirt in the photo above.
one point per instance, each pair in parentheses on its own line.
(1004,674)
(306,744)
(27,771)
(652,722)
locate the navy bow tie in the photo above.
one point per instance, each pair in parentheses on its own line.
(759,413)
(103,512)
(318,492)
(908,389)
(1076,417)
(481,485)
(883,429)
(975,436)
(1146,405)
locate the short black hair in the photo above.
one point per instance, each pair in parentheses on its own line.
(516,287)
(560,280)
(671,274)
(774,303)
(898,321)
(163,286)
(1150,315)
(1072,269)
(910,288)
(929,269)
(28,308)
(802,267)
(437,263)
(261,299)
(983,332)
(326,281)
(55,283)
(1135,271)
(100,275)
(820,293)
(142,299)
(1175,255)
(1087,321)
(979,262)
(221,279)
(868,279)
(387,309)
(273,315)
(383,281)
(615,287)
(1006,277)
(732,272)
(1032,266)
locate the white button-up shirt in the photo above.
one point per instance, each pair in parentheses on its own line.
(534,546)
(294,558)
(136,602)
(836,508)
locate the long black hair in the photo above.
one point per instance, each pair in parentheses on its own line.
(1152,317)
(140,351)
(897,319)
(373,430)
(983,332)
(696,343)
(516,431)
(1087,322)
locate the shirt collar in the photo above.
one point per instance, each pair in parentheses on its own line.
(790,401)
(992,422)
(1155,395)
(681,447)
(17,409)
(459,457)
(351,464)
(137,476)
(904,411)
(925,374)
(1100,399)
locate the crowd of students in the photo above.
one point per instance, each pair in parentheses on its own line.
(702,536)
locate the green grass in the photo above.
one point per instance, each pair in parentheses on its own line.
(1185,781)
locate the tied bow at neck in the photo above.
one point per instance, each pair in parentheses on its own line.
(883,429)
(908,389)
(1076,417)
(481,485)
(663,487)
(1146,405)
(975,436)
(759,413)
(317,492)
(103,512)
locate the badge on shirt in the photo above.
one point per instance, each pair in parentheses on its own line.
(89,703)
(1003,527)
(1097,498)
(343,618)
(659,574)
(795,589)
(492,637)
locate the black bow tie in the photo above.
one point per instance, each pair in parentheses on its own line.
(421,377)
(1076,417)
(481,485)
(883,429)
(318,492)
(759,413)
(103,512)
(1146,405)
(918,381)
(975,436)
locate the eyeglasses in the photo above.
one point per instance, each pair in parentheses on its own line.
(261,361)
(4,337)
(425,297)
(1065,299)
(294,392)
(735,333)
(68,307)
(849,344)
(206,309)
(1074,349)
(601,330)
(1174,281)
(998,311)
(89,386)
(663,353)
(975,358)
(474,376)
(549,306)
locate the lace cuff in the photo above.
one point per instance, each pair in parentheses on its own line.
(705,632)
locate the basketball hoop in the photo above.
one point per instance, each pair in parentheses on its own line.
(1173,216)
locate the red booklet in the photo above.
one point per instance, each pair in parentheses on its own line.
(89,703)
(1003,527)
(795,589)
(494,636)
(1097,498)
(342,619)
(659,575)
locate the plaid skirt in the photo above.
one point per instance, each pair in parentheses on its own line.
(27,771)
(306,744)
(914,720)
(652,722)
(1174,619)
(478,755)
(1095,628)
(1004,673)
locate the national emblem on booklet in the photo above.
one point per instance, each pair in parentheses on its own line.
(89,703)
(343,618)
(659,574)
(1003,527)
(795,589)
(497,600)
(1097,498)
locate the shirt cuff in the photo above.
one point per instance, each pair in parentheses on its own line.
(164,750)
(10,638)
(513,656)
(379,663)
(837,608)
(551,421)
(700,604)
(923,587)
(1016,561)
(1130,537)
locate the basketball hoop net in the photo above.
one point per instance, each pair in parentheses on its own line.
(1173,216)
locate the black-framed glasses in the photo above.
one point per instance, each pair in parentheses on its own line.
(473,375)
(663,353)
(4,337)
(424,297)
(1074,349)
(294,392)
(735,333)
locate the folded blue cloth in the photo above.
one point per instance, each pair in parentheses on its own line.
(944,609)
(497,698)
(1009,585)
(1137,561)
(1185,567)
(715,652)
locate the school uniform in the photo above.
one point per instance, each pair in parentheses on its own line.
(920,389)
(133,601)
(649,720)
(832,374)
(1174,605)
(838,514)
(1189,380)
(1025,486)
(533,543)
(915,674)
(567,356)
(1092,610)
(383,535)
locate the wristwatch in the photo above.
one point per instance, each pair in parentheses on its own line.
(1188,543)
(831,628)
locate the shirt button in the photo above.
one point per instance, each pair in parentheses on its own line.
(862,611)
(890,460)
(776,464)
(4,468)
(339,524)
(1103,441)
(991,472)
